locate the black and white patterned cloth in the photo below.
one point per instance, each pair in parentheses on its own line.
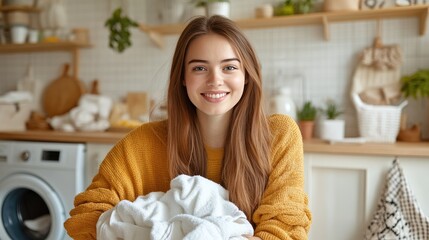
(398,215)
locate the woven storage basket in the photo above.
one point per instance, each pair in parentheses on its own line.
(377,123)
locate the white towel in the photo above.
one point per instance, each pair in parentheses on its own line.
(194,208)
(91,114)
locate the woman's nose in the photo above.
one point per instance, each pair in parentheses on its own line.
(215,79)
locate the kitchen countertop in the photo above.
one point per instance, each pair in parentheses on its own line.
(420,149)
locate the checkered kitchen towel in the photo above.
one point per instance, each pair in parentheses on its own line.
(398,215)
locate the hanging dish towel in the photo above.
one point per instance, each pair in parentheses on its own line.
(398,216)
(194,208)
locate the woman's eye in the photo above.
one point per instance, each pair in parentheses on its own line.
(229,68)
(198,68)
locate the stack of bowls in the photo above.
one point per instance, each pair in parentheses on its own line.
(18,20)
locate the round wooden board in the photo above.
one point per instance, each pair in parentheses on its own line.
(62,94)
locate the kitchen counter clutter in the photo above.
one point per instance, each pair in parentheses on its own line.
(419,149)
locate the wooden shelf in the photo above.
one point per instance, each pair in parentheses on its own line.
(71,47)
(322,18)
(41,47)
(19,8)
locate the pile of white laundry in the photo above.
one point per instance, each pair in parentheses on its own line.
(194,208)
(91,114)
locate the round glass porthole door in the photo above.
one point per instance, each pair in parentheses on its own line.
(30,210)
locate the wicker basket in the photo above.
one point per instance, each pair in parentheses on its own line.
(378,123)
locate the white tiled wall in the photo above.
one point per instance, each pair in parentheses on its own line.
(297,56)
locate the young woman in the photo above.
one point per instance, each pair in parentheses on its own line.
(216,128)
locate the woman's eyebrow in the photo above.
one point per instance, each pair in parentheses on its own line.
(205,61)
(198,61)
(231,59)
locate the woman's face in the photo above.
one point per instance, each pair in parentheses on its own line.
(214,75)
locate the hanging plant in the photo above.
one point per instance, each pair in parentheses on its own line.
(119,26)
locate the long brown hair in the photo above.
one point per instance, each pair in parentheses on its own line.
(246,163)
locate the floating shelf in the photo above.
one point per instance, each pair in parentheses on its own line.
(322,18)
(41,47)
(19,8)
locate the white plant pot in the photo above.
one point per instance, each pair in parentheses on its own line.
(218,8)
(332,129)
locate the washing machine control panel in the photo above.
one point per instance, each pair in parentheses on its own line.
(44,154)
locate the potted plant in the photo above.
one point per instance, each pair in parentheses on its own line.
(416,85)
(331,128)
(306,116)
(218,7)
(290,7)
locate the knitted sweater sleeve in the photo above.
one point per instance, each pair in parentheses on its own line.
(120,176)
(104,192)
(283,212)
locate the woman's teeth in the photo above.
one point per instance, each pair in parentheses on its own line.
(217,95)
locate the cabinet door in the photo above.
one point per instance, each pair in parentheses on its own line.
(343,193)
(344,190)
(95,154)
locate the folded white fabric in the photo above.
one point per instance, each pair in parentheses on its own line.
(194,208)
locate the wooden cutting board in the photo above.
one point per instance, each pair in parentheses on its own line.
(137,104)
(62,94)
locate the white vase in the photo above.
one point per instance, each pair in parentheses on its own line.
(218,8)
(332,129)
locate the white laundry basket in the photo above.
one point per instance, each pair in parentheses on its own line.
(378,123)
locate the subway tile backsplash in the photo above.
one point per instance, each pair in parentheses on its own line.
(297,56)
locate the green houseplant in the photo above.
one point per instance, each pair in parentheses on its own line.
(290,7)
(416,85)
(331,128)
(306,116)
(119,26)
(331,111)
(308,112)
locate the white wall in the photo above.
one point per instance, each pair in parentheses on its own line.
(287,54)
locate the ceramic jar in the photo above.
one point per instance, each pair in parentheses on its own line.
(283,103)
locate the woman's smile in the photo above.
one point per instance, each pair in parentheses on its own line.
(214,97)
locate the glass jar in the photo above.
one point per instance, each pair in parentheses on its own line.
(283,103)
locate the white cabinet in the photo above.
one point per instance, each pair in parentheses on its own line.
(95,154)
(344,190)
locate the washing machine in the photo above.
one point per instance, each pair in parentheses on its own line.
(38,183)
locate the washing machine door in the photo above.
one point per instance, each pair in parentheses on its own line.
(30,209)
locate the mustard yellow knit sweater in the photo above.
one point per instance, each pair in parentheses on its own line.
(137,165)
